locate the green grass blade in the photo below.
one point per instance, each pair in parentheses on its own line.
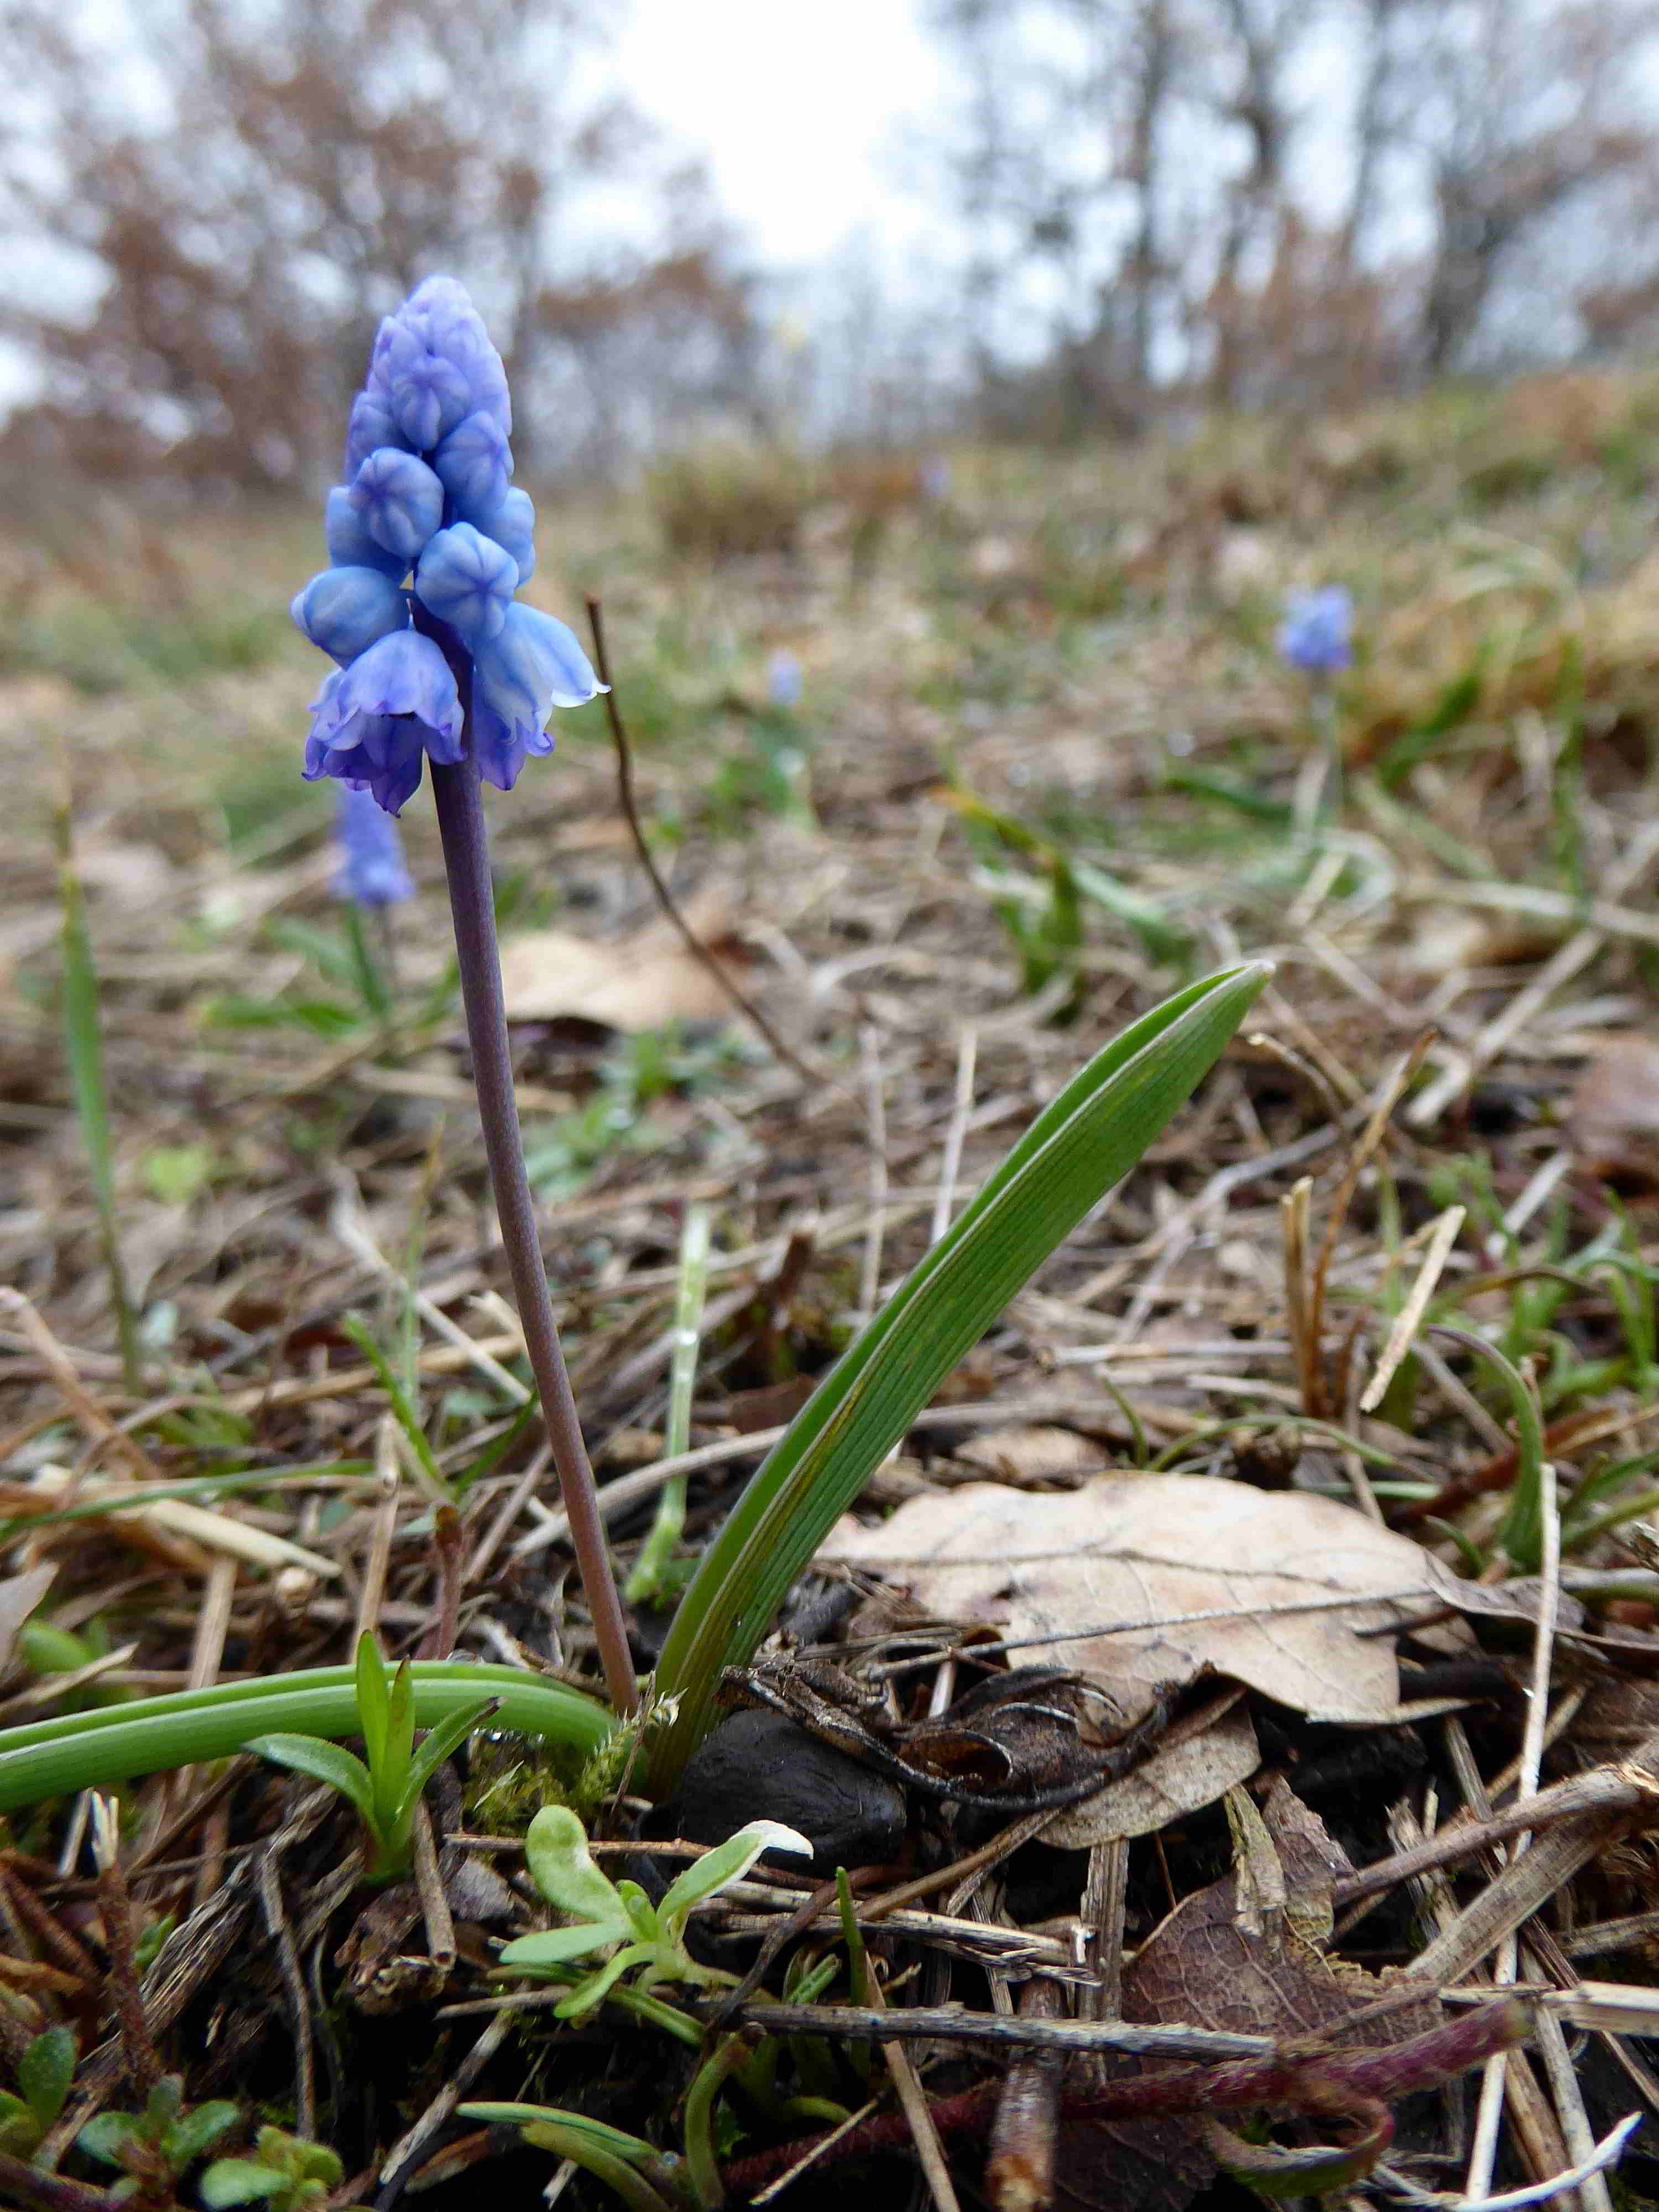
(320,1760)
(437,1746)
(391,1775)
(112,1743)
(84,1043)
(365,968)
(373,1700)
(650,1575)
(1072,1155)
(402,1407)
(1522,1533)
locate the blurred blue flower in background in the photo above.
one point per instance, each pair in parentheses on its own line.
(783,679)
(1314,635)
(372,869)
(427,466)
(933,478)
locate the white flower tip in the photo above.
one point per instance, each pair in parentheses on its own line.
(774,1836)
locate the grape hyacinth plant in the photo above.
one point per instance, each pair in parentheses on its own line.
(372,871)
(1316,639)
(371,880)
(1314,636)
(438,661)
(783,680)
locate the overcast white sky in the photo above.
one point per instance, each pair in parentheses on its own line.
(799,107)
(799,111)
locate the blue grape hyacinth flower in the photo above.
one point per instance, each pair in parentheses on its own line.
(1314,635)
(428,661)
(784,680)
(372,868)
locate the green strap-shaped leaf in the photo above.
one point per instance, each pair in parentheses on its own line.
(93,1750)
(1069,1159)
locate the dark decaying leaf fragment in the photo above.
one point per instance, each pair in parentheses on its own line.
(1246,1954)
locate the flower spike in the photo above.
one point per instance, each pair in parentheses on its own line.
(428,490)
(457,672)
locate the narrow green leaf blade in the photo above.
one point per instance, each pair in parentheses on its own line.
(557,1946)
(373,1700)
(83,1042)
(1070,1157)
(391,1773)
(401,1406)
(436,1747)
(311,1755)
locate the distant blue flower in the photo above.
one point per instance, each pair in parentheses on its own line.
(428,489)
(1314,635)
(935,478)
(372,869)
(783,679)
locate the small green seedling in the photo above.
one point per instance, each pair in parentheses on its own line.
(617,1919)
(386,1789)
(283,2173)
(44,2074)
(156,2147)
(642,2178)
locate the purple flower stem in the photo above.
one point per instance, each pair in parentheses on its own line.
(472,905)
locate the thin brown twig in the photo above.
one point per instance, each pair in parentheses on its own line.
(143,2061)
(815,1077)
(1293,2078)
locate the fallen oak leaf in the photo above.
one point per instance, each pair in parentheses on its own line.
(1143,1581)
(640,981)
(1612,1115)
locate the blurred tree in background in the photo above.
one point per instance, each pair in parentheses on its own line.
(246,185)
(1287,200)
(1134,202)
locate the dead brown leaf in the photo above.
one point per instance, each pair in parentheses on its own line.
(19,1595)
(1107,1578)
(1613,1112)
(1031,1456)
(1246,1955)
(640,982)
(1178,1779)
